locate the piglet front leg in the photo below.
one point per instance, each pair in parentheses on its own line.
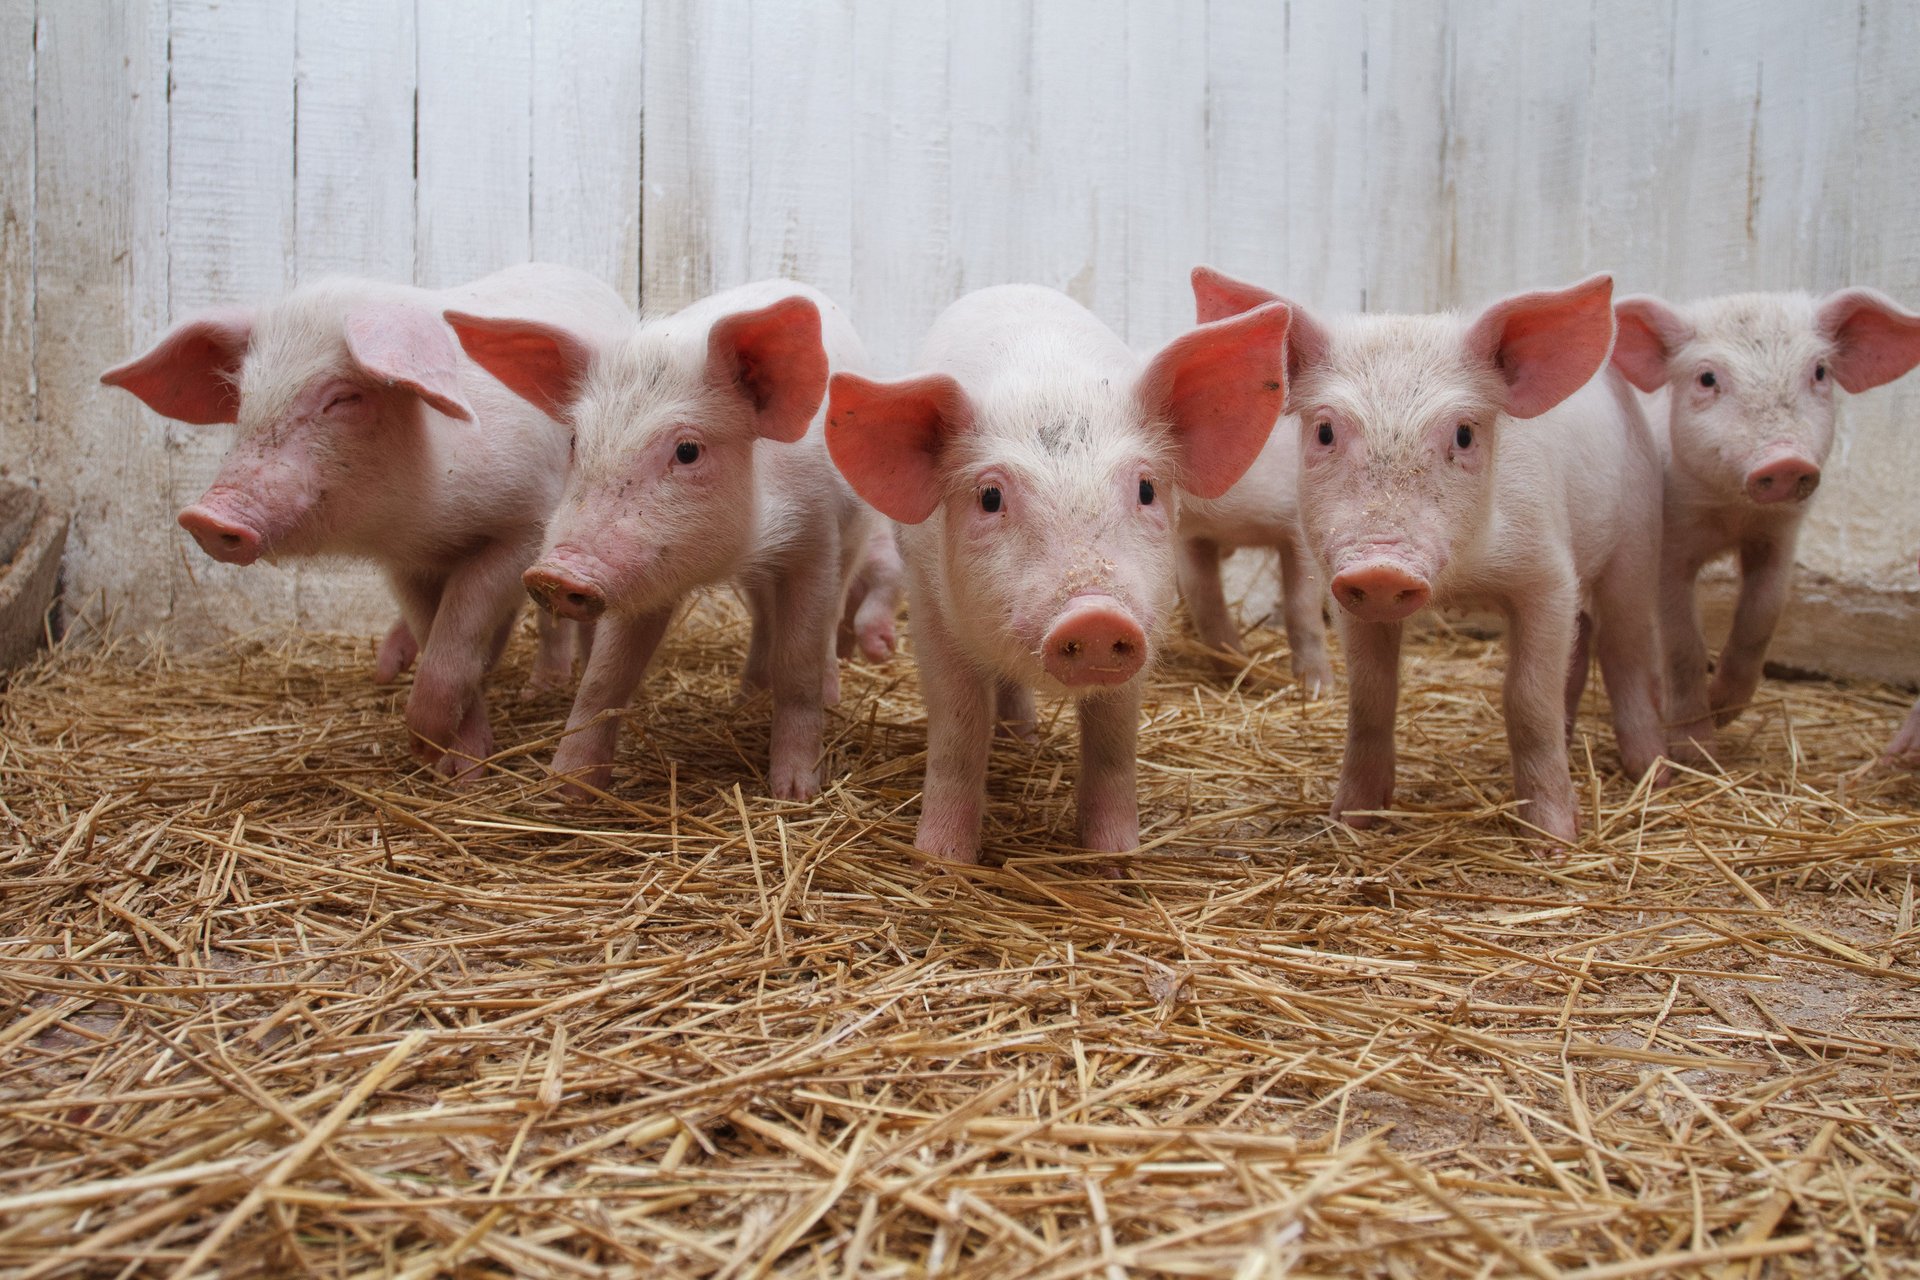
(1904,751)
(553,657)
(1301,597)
(960,720)
(621,649)
(1373,696)
(801,643)
(1766,568)
(1107,795)
(446,711)
(1540,638)
(397,653)
(1689,721)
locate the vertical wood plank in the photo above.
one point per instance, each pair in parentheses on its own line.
(1407,122)
(1073,192)
(1248,207)
(100,197)
(1629,136)
(16,232)
(800,196)
(1164,181)
(902,262)
(474,140)
(1708,227)
(1327,225)
(699,114)
(991,149)
(588,61)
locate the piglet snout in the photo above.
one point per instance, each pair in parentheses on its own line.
(563,592)
(1380,591)
(1095,642)
(220,535)
(1787,478)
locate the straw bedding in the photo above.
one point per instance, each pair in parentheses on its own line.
(278,1002)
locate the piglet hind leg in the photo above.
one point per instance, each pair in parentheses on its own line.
(1540,639)
(397,653)
(1301,599)
(1107,797)
(1766,568)
(1373,696)
(960,720)
(1198,570)
(446,710)
(1904,751)
(622,648)
(1627,637)
(1013,712)
(553,655)
(801,646)
(1689,723)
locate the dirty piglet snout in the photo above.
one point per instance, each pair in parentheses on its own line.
(563,594)
(225,540)
(1788,479)
(1380,592)
(1095,642)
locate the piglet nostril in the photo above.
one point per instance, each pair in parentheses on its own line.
(579,599)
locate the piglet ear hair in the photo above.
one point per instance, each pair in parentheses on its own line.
(1221,387)
(192,374)
(402,346)
(886,438)
(543,364)
(1650,334)
(1546,345)
(1875,339)
(1217,296)
(775,357)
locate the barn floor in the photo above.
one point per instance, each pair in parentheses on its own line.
(277,1002)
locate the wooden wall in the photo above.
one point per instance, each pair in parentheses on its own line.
(157,156)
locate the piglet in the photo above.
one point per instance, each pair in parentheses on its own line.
(698,460)
(874,597)
(1741,397)
(1452,461)
(364,432)
(1035,468)
(1262,510)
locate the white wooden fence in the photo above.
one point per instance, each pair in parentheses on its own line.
(160,155)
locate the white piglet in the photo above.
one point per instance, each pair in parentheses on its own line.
(1478,461)
(698,461)
(1740,394)
(1035,468)
(363,431)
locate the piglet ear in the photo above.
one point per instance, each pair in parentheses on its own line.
(1221,386)
(191,374)
(1546,345)
(406,347)
(774,356)
(1217,296)
(886,438)
(1875,340)
(1650,334)
(544,364)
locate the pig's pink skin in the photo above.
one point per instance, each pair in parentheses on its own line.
(1262,510)
(397,652)
(760,506)
(870,620)
(1773,360)
(363,431)
(1033,397)
(1903,752)
(1566,523)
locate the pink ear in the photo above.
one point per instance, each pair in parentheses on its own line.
(774,355)
(189,375)
(543,364)
(405,347)
(1875,340)
(1547,345)
(1222,386)
(1217,296)
(1650,333)
(886,438)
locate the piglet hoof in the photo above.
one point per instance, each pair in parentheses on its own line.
(1016,731)
(877,642)
(830,686)
(586,785)
(1354,796)
(1558,817)
(543,681)
(397,652)
(1315,678)
(1692,744)
(794,783)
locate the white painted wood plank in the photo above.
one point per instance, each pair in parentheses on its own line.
(16,232)
(474,139)
(991,152)
(1713,200)
(902,269)
(699,115)
(1629,135)
(1803,143)
(800,199)
(1165,175)
(1247,163)
(1074,191)
(588,76)
(100,116)
(230,216)
(1327,225)
(1407,118)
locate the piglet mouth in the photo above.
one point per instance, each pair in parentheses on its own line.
(222,534)
(567,586)
(1095,642)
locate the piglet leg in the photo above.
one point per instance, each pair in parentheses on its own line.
(1373,697)
(1540,637)
(1689,724)
(1627,638)
(1904,751)
(800,643)
(553,659)
(960,718)
(397,652)
(1765,570)
(446,712)
(1198,569)
(1013,711)
(1107,796)
(622,647)
(1301,598)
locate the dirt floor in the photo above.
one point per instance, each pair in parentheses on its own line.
(276,1001)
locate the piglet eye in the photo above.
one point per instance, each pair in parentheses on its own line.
(1324,433)
(686,452)
(572,440)
(990,499)
(1820,373)
(1146,493)
(1708,380)
(344,398)
(1463,435)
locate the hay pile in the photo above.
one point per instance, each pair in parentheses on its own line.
(279,1003)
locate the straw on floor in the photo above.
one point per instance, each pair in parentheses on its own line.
(279,1002)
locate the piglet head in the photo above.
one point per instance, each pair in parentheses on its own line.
(1751,380)
(662,495)
(323,403)
(1056,499)
(1400,420)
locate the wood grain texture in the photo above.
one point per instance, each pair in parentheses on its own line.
(475,140)
(16,230)
(587,86)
